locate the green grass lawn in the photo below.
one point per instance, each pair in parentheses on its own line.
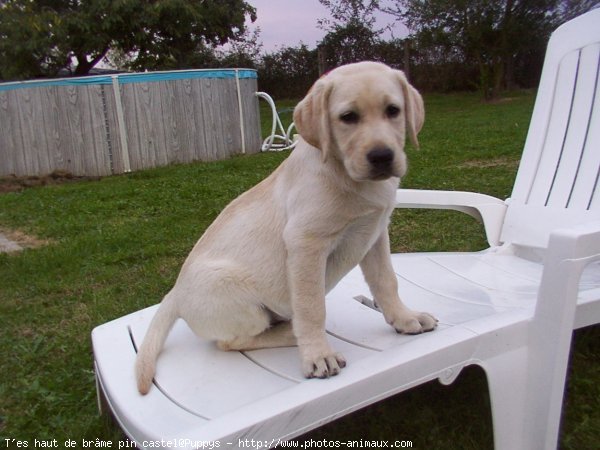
(116,245)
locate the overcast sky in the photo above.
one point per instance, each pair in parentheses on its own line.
(286,23)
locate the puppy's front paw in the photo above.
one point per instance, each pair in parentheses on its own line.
(412,322)
(322,364)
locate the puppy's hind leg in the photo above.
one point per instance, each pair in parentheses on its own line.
(279,335)
(230,311)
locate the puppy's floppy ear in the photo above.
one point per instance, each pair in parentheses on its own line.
(311,116)
(414,109)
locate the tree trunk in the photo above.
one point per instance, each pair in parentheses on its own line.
(498,77)
(509,73)
(84,65)
(406,65)
(322,60)
(484,79)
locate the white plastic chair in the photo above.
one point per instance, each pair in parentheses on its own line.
(510,309)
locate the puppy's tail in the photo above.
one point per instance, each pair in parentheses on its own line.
(145,364)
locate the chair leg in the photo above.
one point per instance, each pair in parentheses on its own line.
(507,384)
(525,408)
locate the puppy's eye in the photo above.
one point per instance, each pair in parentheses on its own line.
(350,117)
(392,111)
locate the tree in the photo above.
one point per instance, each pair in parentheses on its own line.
(38,38)
(350,37)
(569,9)
(27,44)
(493,36)
(288,72)
(344,12)
(350,43)
(242,52)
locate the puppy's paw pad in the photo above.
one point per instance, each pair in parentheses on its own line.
(323,366)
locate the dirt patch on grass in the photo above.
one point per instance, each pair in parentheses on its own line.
(497,101)
(494,162)
(12,183)
(15,240)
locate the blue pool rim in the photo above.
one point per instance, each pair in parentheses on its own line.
(129,78)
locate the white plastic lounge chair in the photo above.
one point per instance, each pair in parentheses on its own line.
(510,309)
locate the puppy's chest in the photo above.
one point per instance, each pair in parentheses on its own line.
(359,236)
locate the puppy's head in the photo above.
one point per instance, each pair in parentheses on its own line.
(360,114)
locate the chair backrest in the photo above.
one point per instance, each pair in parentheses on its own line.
(558,182)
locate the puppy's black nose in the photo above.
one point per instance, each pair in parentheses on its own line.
(380,157)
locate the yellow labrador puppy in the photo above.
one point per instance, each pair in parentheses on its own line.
(258,276)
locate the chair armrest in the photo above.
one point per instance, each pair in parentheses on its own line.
(577,242)
(484,208)
(569,251)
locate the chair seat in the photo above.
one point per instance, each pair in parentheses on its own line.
(203,394)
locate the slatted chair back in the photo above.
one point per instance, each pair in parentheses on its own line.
(558,182)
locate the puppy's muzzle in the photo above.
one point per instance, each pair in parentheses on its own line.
(382,163)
